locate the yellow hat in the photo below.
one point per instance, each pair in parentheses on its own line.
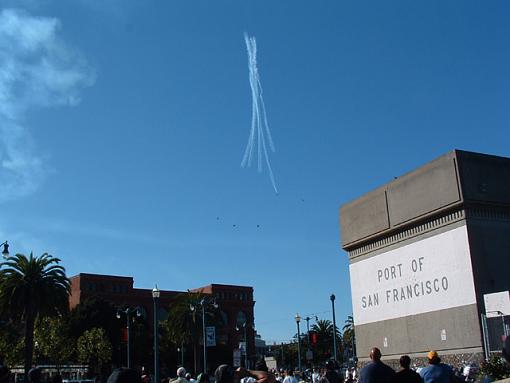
(432,355)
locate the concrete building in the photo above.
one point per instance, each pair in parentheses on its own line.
(423,251)
(235,303)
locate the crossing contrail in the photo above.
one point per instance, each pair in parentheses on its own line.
(259,131)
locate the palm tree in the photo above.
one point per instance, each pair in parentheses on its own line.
(349,336)
(324,330)
(184,325)
(30,287)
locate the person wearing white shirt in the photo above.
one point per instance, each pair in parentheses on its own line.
(315,376)
(289,377)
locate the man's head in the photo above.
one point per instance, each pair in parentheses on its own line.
(181,372)
(224,374)
(330,365)
(405,362)
(188,376)
(34,375)
(433,357)
(124,375)
(375,354)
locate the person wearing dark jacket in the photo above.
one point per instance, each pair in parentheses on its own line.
(331,375)
(406,375)
(376,371)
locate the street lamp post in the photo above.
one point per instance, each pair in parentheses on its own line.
(332,297)
(5,251)
(298,319)
(155,296)
(245,343)
(203,303)
(128,312)
(307,319)
(181,350)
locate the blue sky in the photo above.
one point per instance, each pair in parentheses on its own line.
(123,125)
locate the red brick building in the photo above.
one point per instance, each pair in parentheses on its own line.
(235,304)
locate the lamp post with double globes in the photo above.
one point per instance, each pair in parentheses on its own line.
(206,301)
(155,297)
(298,319)
(243,325)
(129,311)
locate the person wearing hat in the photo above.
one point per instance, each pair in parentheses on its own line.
(376,371)
(437,372)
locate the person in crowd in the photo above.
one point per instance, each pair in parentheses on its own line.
(331,375)
(189,378)
(181,376)
(376,371)
(289,377)
(226,374)
(315,376)
(350,378)
(203,378)
(406,375)
(35,375)
(124,375)
(437,372)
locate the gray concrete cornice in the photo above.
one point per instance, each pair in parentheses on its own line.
(436,194)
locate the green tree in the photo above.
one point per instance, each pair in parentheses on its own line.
(286,354)
(183,325)
(11,342)
(349,335)
(495,368)
(30,287)
(96,312)
(324,330)
(94,349)
(54,340)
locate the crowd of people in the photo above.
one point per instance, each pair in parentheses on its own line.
(376,371)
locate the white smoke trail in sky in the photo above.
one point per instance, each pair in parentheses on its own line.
(37,70)
(259,130)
